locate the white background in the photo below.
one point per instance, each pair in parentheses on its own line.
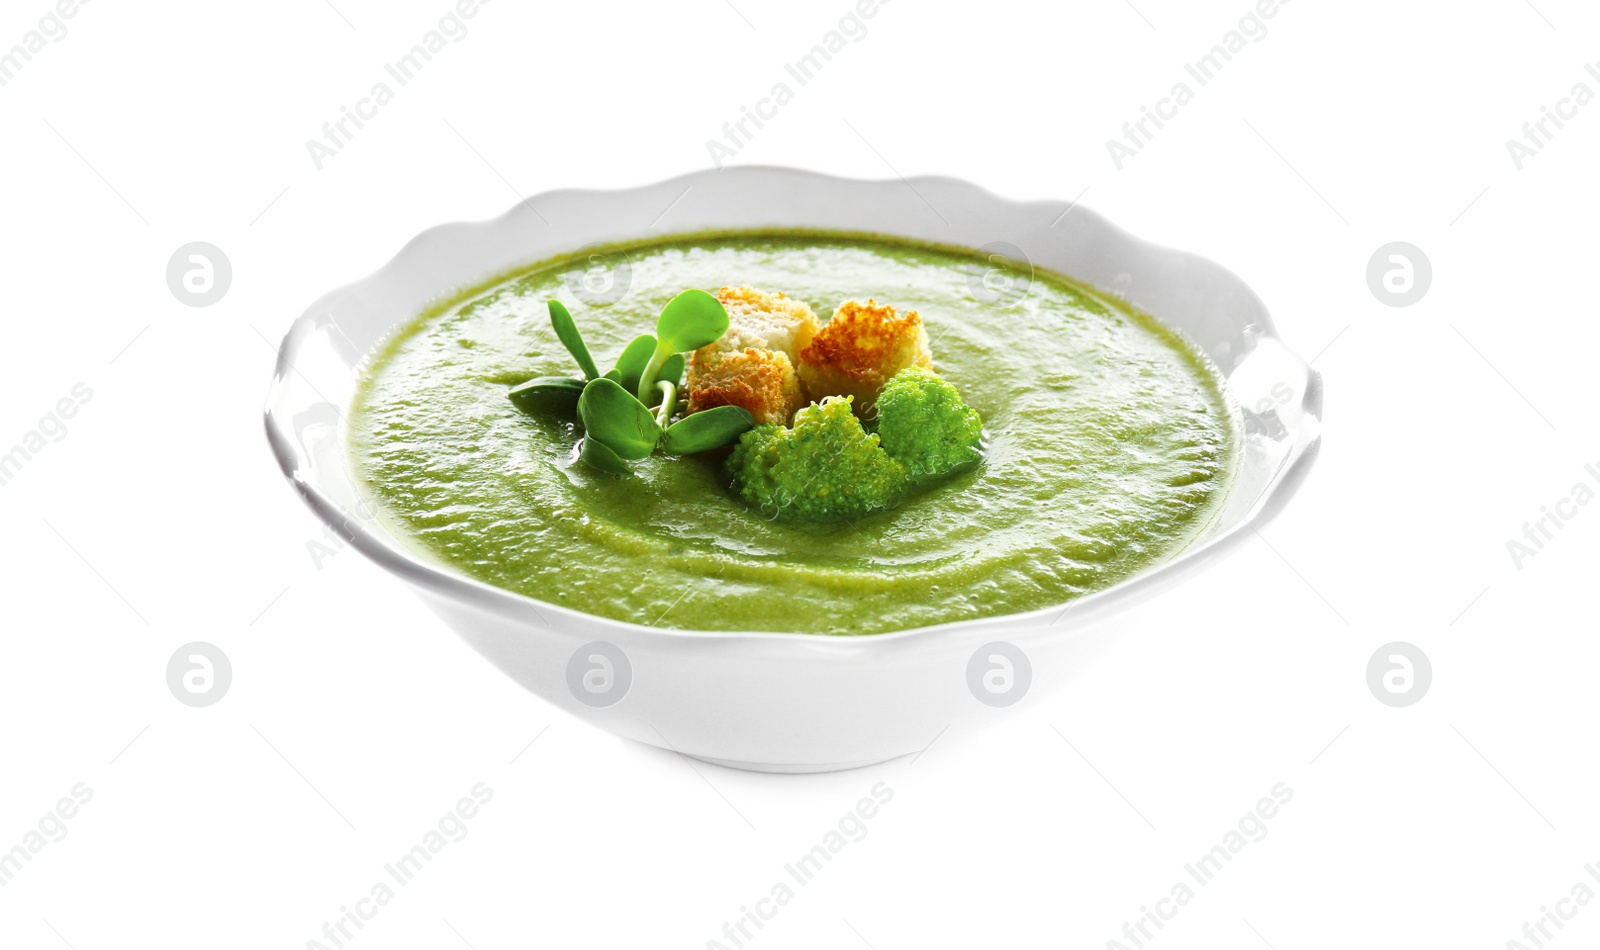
(356,720)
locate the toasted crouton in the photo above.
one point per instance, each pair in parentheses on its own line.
(759,380)
(780,322)
(767,321)
(857,351)
(752,365)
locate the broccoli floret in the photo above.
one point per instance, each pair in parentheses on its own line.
(924,425)
(825,468)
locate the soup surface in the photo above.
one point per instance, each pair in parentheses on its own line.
(1109,447)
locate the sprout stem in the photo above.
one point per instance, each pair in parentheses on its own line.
(647,379)
(669,403)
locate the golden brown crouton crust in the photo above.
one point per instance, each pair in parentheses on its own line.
(857,351)
(771,321)
(752,365)
(761,381)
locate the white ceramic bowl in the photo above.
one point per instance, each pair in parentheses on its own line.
(777,701)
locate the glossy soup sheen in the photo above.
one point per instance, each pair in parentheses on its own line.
(1109,446)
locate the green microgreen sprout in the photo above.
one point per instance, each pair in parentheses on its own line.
(669,402)
(708,429)
(672,369)
(567,332)
(557,395)
(635,359)
(689,321)
(627,413)
(611,415)
(595,454)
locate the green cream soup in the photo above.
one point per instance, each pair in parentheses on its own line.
(1109,444)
